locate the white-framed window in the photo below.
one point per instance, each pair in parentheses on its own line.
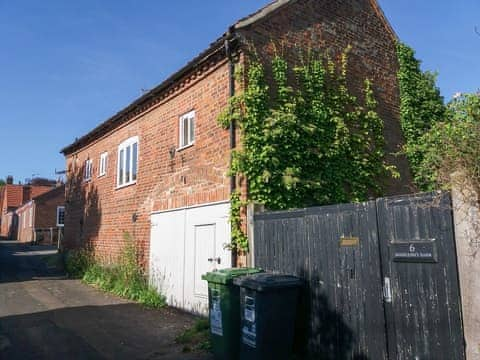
(103,164)
(187,130)
(60,216)
(127,165)
(87,172)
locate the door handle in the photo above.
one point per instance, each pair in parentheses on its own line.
(218,260)
(387,290)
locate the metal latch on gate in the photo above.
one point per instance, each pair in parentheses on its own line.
(217,260)
(387,290)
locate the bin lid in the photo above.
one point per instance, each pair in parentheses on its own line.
(267,281)
(226,276)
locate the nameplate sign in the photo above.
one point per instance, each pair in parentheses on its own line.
(420,251)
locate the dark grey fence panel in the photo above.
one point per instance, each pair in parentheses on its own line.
(418,252)
(335,249)
(348,254)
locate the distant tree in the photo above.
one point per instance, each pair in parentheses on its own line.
(2,182)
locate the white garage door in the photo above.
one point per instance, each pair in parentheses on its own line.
(184,245)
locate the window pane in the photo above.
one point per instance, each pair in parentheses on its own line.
(192,129)
(128,153)
(185,131)
(134,161)
(120,167)
(61,216)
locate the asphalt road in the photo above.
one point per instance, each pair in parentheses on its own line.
(43,315)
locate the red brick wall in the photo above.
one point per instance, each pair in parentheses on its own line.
(330,26)
(46,208)
(99,214)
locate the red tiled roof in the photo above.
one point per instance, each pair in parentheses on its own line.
(39,190)
(14,195)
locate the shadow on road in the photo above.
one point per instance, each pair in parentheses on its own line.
(123,331)
(45,316)
(23,262)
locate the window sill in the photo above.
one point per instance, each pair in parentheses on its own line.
(185,147)
(102,175)
(126,185)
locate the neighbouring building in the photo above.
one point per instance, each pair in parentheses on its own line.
(41,219)
(13,196)
(157,171)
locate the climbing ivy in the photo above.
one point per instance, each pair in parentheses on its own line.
(239,239)
(308,141)
(453,145)
(421,106)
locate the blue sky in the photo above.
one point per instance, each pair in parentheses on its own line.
(67,66)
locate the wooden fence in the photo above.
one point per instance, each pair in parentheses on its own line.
(380,277)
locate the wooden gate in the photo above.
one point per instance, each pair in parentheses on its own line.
(420,269)
(380,277)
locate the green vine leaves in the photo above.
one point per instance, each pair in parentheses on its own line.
(421,106)
(307,141)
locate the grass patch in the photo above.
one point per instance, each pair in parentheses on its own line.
(196,338)
(125,278)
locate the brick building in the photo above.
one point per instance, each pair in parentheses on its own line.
(157,171)
(41,218)
(13,196)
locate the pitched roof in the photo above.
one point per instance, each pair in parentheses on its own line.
(215,47)
(50,193)
(14,195)
(123,115)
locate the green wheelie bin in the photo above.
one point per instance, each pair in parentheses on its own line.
(268,304)
(224,309)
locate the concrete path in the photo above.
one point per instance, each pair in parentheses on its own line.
(43,315)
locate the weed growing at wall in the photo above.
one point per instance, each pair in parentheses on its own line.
(306,142)
(453,145)
(124,278)
(421,107)
(196,338)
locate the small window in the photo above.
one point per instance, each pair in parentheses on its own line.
(103,164)
(127,166)
(60,216)
(187,129)
(87,175)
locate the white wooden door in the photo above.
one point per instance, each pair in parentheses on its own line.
(207,232)
(167,249)
(184,245)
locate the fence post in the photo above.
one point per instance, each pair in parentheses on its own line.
(58,238)
(466,214)
(250,235)
(252,209)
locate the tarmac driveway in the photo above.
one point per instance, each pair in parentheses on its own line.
(43,315)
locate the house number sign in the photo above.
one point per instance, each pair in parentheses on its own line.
(421,251)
